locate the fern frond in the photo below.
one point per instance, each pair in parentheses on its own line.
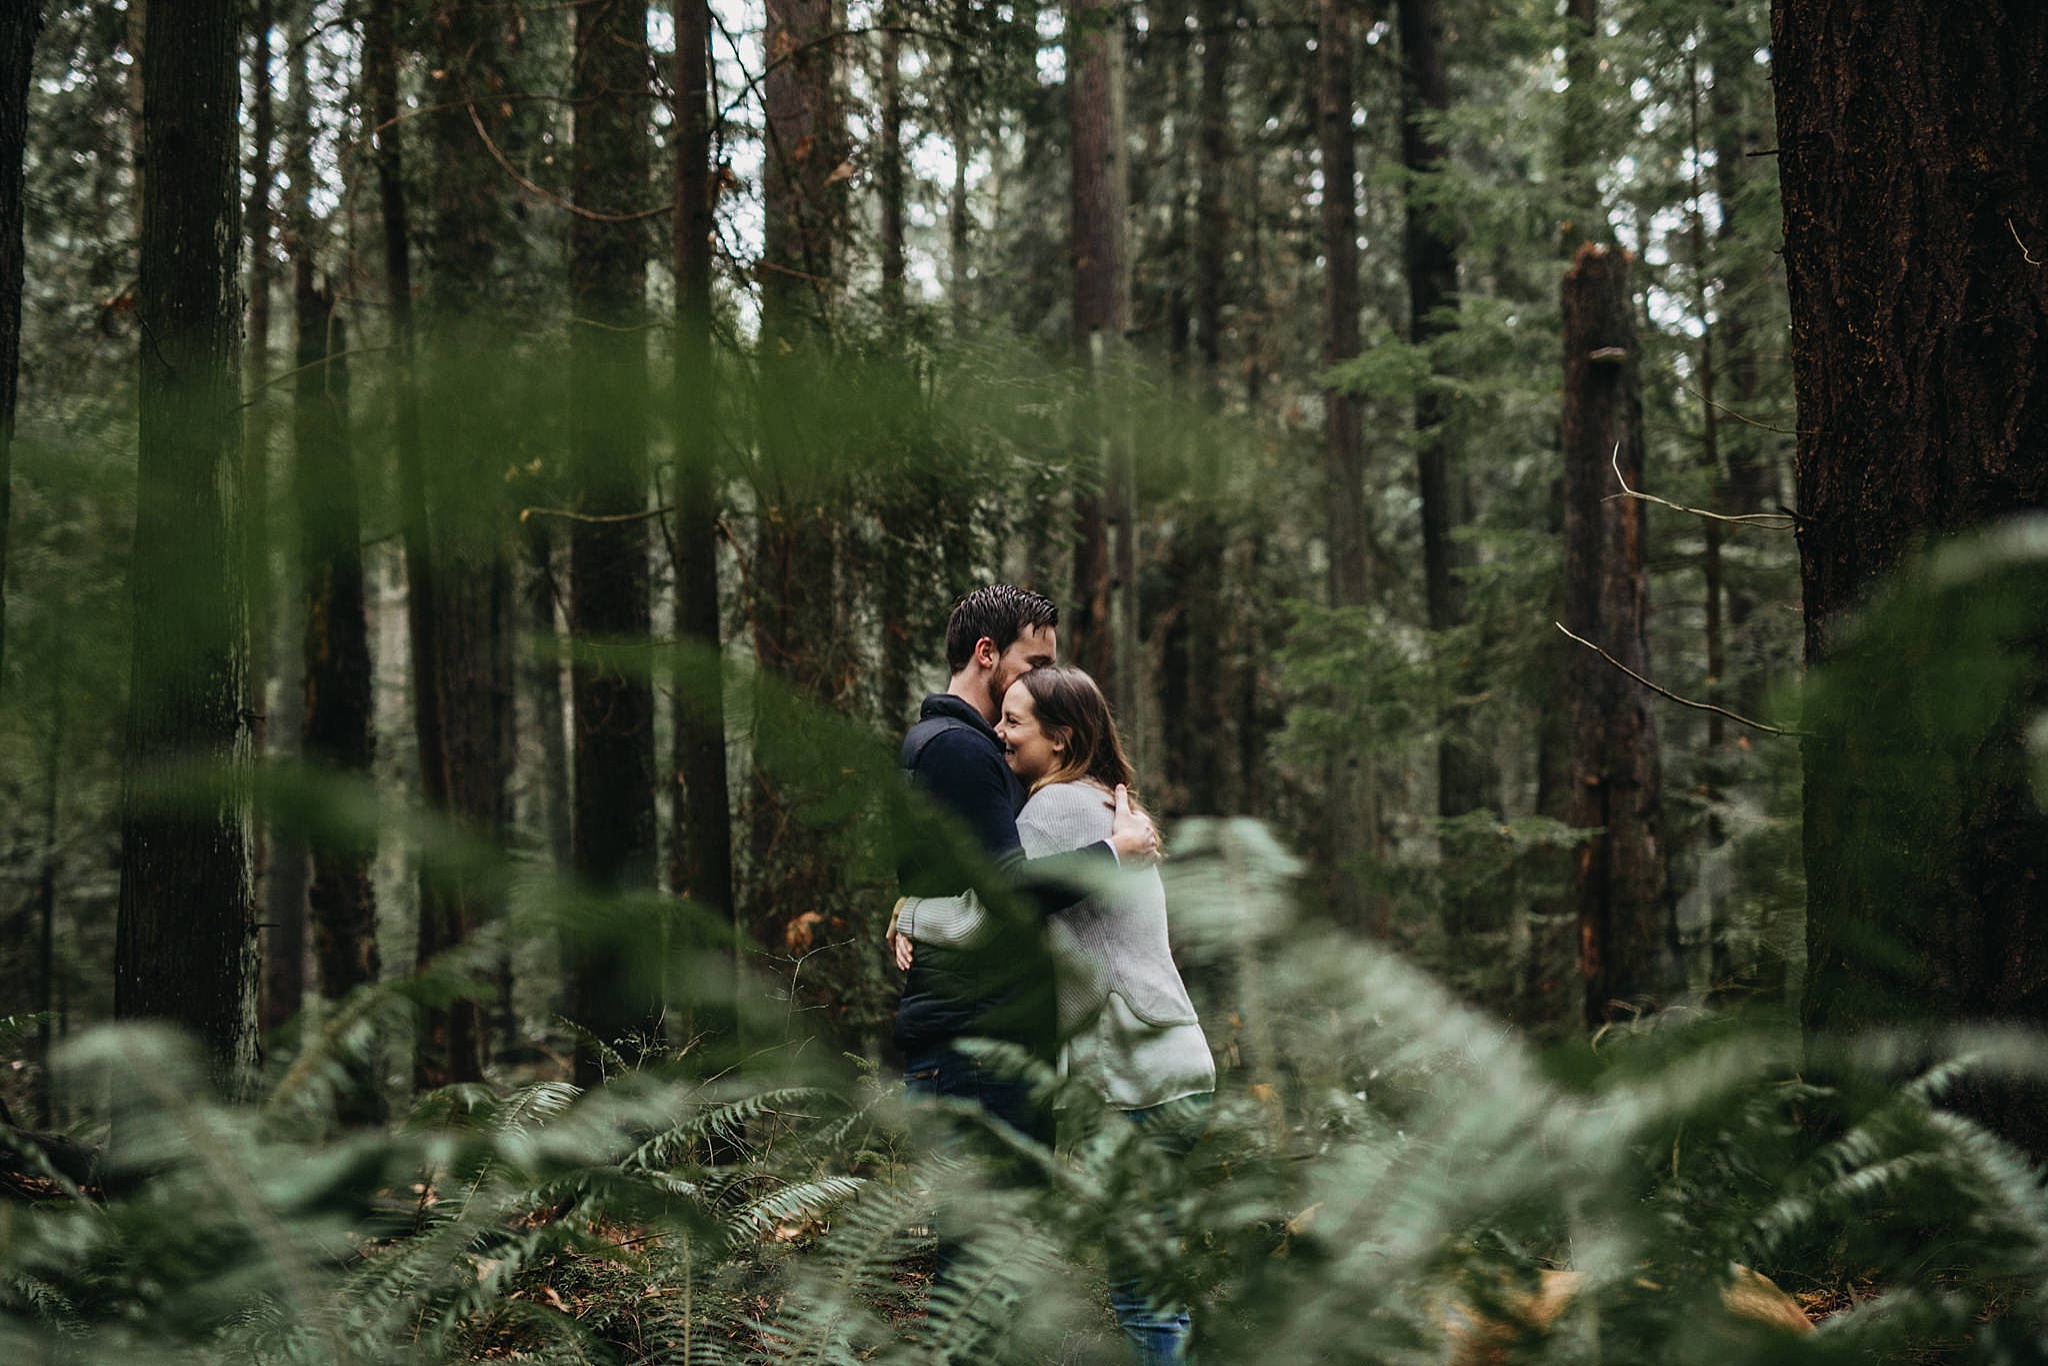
(801,1203)
(533,1105)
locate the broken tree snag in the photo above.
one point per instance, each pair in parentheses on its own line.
(1627,932)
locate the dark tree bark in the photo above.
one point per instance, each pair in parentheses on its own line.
(1749,476)
(1582,137)
(1465,780)
(1628,934)
(463,659)
(796,574)
(18,29)
(614,711)
(1218,23)
(802,192)
(1343,455)
(1914,165)
(701,850)
(1101,312)
(1343,460)
(185,946)
(959,220)
(337,735)
(889,170)
(1197,748)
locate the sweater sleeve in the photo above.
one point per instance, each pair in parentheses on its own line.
(945,920)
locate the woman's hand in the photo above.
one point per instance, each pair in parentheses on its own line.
(899,944)
(1131,832)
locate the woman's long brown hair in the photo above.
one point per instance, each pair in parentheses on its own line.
(1067,699)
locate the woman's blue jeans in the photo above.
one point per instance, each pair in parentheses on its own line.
(1158,1329)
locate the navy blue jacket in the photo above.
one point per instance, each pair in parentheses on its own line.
(953,756)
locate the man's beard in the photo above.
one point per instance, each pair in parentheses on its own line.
(995,698)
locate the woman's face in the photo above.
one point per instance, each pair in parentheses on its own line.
(1031,752)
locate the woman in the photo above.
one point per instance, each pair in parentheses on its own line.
(1130,1028)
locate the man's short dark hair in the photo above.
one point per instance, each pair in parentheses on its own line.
(1001,612)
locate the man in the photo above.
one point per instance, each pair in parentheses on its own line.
(994,636)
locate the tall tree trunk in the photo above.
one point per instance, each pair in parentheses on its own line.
(1914,233)
(379,80)
(1749,478)
(285,863)
(889,173)
(701,850)
(1627,931)
(1101,313)
(610,993)
(185,943)
(800,182)
(18,28)
(46,894)
(467,517)
(1465,781)
(1350,779)
(543,588)
(1198,645)
(959,218)
(337,736)
(1343,458)
(1583,135)
(279,864)
(256,434)
(796,573)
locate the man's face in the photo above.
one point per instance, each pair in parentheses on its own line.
(1034,648)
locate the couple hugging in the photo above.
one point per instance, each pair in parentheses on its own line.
(1025,753)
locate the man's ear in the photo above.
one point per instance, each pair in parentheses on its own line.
(985,653)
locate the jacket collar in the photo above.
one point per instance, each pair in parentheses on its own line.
(945,704)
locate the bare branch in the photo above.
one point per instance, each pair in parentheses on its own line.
(1739,417)
(595,518)
(1777,521)
(2025,255)
(1666,692)
(550,195)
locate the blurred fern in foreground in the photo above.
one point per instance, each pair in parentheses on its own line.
(1388,1178)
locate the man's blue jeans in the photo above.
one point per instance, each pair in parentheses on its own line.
(952,1075)
(1158,1330)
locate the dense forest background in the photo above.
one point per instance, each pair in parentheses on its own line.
(1395,703)
(486,482)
